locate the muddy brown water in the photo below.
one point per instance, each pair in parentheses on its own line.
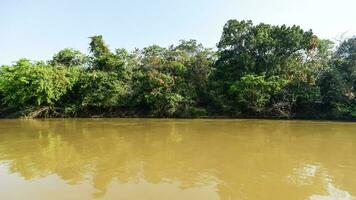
(152,159)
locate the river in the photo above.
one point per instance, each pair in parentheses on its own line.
(158,159)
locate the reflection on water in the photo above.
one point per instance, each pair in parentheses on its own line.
(177,159)
(333,194)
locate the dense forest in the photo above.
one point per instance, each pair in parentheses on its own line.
(258,70)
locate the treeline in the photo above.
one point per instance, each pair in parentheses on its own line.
(256,71)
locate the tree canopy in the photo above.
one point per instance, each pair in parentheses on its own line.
(257,70)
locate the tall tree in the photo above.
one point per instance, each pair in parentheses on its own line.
(69,58)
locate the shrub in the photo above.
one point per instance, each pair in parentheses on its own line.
(35,84)
(100,89)
(253,93)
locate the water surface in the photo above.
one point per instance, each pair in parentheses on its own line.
(146,159)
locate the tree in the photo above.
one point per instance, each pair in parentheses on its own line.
(173,81)
(159,93)
(260,49)
(104,60)
(100,90)
(69,58)
(199,63)
(346,63)
(253,93)
(35,84)
(338,82)
(157,82)
(257,70)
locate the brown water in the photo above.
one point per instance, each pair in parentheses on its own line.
(139,159)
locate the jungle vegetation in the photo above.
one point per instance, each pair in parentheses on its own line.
(258,70)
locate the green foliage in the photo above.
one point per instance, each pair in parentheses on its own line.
(100,89)
(346,62)
(338,82)
(159,93)
(104,60)
(172,81)
(257,70)
(69,57)
(332,86)
(245,48)
(156,82)
(35,84)
(253,93)
(264,50)
(199,63)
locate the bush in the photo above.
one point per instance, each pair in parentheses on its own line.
(100,89)
(157,92)
(35,84)
(252,93)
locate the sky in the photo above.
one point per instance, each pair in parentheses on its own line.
(36,29)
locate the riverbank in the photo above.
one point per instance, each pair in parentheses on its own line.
(51,113)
